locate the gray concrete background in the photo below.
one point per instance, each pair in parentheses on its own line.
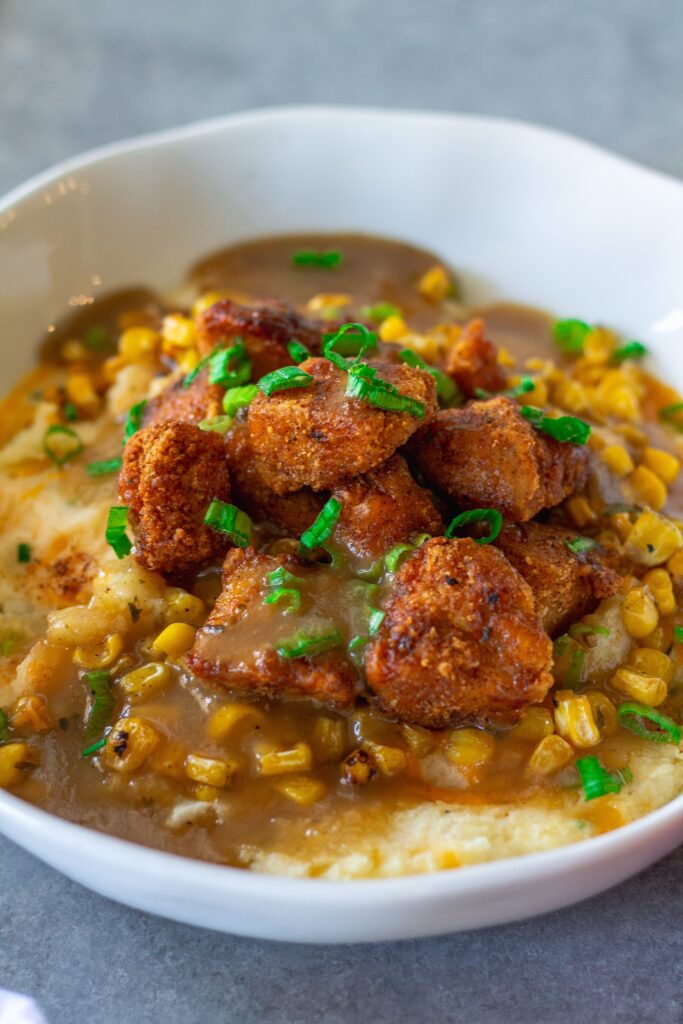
(77,73)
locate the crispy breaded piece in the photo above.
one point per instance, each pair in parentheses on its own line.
(291,513)
(236,645)
(382,508)
(192,404)
(315,436)
(472,361)
(487,455)
(461,640)
(266,330)
(171,472)
(565,585)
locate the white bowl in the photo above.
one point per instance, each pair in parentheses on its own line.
(530,215)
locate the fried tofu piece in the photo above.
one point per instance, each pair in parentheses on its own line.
(472,362)
(266,330)
(170,474)
(290,513)
(487,455)
(237,645)
(316,436)
(382,508)
(199,401)
(461,640)
(565,585)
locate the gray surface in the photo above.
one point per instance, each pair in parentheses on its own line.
(77,73)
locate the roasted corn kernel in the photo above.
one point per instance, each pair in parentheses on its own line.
(174,640)
(211,771)
(389,760)
(328,300)
(13,758)
(534,724)
(649,487)
(207,794)
(302,790)
(435,284)
(604,713)
(421,741)
(225,718)
(645,689)
(329,738)
(81,391)
(598,345)
(101,656)
(469,748)
(675,565)
(639,613)
(31,713)
(145,681)
(138,343)
(205,301)
(183,607)
(653,539)
(393,328)
(659,583)
(130,743)
(652,663)
(358,768)
(574,719)
(617,459)
(580,511)
(666,466)
(279,762)
(550,755)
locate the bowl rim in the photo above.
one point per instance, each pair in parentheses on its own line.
(489,875)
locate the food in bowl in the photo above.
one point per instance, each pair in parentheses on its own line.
(314,570)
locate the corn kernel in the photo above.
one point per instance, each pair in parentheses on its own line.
(393,328)
(101,656)
(435,284)
(649,487)
(652,663)
(112,367)
(621,523)
(211,771)
(604,713)
(598,345)
(327,300)
(570,396)
(145,681)
(534,724)
(653,539)
(207,794)
(183,607)
(661,588)
(205,301)
(31,713)
(329,738)
(657,640)
(138,343)
(389,760)
(426,345)
(301,790)
(550,755)
(358,768)
(174,640)
(617,459)
(279,762)
(645,689)
(80,391)
(666,466)
(574,719)
(130,743)
(580,511)
(187,360)
(12,757)
(177,332)
(470,748)
(505,358)
(639,613)
(421,741)
(73,351)
(539,394)
(675,566)
(224,720)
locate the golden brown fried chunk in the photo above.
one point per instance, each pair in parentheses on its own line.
(382,508)
(192,404)
(291,513)
(170,474)
(487,455)
(315,436)
(472,361)
(565,585)
(266,330)
(236,645)
(461,640)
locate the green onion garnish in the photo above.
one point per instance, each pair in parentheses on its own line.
(670,413)
(567,650)
(235,399)
(193,374)
(281,577)
(562,428)
(23,553)
(570,335)
(115,533)
(581,544)
(309,258)
(103,702)
(350,340)
(229,519)
(678,634)
(364,383)
(446,387)
(631,350)
(216,424)
(134,419)
(380,312)
(525,385)
(393,558)
(61,444)
(375,620)
(283,379)
(230,367)
(4,728)
(303,645)
(478,515)
(104,467)
(578,629)
(324,524)
(288,594)
(89,751)
(297,351)
(635,718)
(96,337)
(70,412)
(597,781)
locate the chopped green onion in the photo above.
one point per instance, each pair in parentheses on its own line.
(281,576)
(230,367)
(562,428)
(670,413)
(134,419)
(61,444)
(96,337)
(193,374)
(596,780)
(363,383)
(678,634)
(297,351)
(393,558)
(581,544)
(229,519)
(235,399)
(4,728)
(104,467)
(631,350)
(89,751)
(283,379)
(478,515)
(525,385)
(375,620)
(569,657)
(357,642)
(635,718)
(570,335)
(70,412)
(289,594)
(583,629)
(23,553)
(380,312)
(309,258)
(103,702)
(115,533)
(305,645)
(350,340)
(323,526)
(446,388)
(216,424)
